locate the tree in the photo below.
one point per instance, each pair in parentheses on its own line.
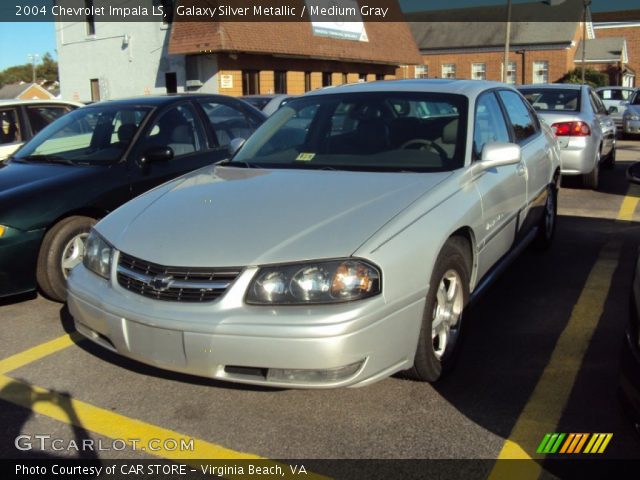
(47,70)
(591,77)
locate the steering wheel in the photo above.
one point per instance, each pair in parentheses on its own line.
(424,144)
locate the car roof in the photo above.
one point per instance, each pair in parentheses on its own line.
(555,86)
(463,87)
(156,100)
(9,102)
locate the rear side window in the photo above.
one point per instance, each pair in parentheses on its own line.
(524,124)
(227,122)
(41,116)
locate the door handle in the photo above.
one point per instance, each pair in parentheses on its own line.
(520,170)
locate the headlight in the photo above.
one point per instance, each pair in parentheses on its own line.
(314,282)
(3,230)
(97,255)
(631,116)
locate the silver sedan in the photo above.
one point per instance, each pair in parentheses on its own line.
(341,244)
(631,116)
(586,133)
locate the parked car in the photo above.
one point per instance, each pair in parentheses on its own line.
(585,132)
(267,103)
(22,119)
(630,358)
(615,100)
(631,116)
(87,163)
(340,244)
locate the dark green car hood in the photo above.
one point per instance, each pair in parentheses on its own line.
(32,194)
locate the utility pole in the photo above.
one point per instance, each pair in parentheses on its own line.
(33,58)
(507,38)
(584,35)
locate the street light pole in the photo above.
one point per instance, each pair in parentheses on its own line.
(584,35)
(33,57)
(507,37)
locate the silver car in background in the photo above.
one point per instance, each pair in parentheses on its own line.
(631,116)
(341,244)
(615,100)
(585,132)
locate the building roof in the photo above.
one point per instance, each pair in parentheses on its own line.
(14,90)
(604,50)
(465,35)
(389,43)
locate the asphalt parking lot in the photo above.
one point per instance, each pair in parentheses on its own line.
(540,355)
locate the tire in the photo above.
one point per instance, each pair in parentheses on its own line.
(64,239)
(437,350)
(610,161)
(592,179)
(547,225)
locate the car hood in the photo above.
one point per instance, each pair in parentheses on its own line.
(225,216)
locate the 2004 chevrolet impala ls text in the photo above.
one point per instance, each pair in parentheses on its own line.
(340,244)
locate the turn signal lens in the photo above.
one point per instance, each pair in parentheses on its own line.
(3,229)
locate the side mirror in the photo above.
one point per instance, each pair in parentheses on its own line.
(498,154)
(157,154)
(633,173)
(235,145)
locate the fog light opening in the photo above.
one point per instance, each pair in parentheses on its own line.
(329,375)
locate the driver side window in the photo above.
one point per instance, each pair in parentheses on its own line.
(489,124)
(176,128)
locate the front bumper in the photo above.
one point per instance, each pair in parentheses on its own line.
(631,126)
(18,259)
(229,340)
(577,155)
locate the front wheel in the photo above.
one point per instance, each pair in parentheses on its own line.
(61,250)
(442,318)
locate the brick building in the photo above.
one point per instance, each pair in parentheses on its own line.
(540,51)
(237,58)
(630,31)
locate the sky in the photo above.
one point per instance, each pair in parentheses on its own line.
(19,39)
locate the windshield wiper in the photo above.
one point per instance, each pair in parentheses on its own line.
(48,159)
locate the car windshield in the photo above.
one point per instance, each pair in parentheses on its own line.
(380,131)
(549,100)
(635,100)
(91,135)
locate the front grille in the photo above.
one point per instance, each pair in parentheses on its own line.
(175,284)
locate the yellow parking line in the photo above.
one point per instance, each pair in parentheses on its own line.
(36,353)
(116,426)
(546,404)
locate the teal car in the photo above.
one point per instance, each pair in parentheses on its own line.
(92,160)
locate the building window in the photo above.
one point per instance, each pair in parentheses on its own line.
(422,71)
(512,72)
(379,76)
(540,72)
(326,79)
(307,81)
(478,71)
(448,70)
(95,89)
(250,82)
(90,20)
(280,81)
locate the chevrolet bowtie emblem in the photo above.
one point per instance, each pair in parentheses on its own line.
(160,283)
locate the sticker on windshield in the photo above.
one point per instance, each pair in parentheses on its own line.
(305,157)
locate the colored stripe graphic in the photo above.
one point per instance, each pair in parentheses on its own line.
(574,443)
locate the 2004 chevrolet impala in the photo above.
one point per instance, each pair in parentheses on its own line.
(340,244)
